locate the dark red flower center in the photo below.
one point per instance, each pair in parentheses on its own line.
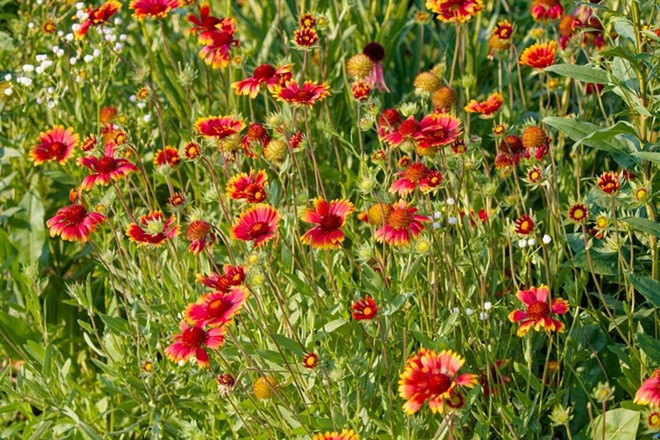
(538,310)
(304,95)
(439,383)
(197,230)
(56,149)
(218,307)
(399,218)
(255,193)
(258,229)
(74,214)
(263,73)
(330,222)
(106,165)
(416,172)
(193,337)
(408,127)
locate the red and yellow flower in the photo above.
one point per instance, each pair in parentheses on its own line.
(256,224)
(307,95)
(169,156)
(232,276)
(219,127)
(403,132)
(433,376)
(524,225)
(649,392)
(192,342)
(437,129)
(539,311)
(74,222)
(329,218)
(401,225)
(455,10)
(346,434)
(487,107)
(153,8)
(578,213)
(539,55)
(546,9)
(500,39)
(305,37)
(98,16)
(608,182)
(249,187)
(266,75)
(54,145)
(217,308)
(105,168)
(153,229)
(217,43)
(200,233)
(310,360)
(204,25)
(417,174)
(364,309)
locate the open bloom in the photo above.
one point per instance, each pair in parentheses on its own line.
(487,107)
(55,144)
(437,129)
(98,16)
(649,392)
(219,127)
(307,95)
(433,377)
(346,434)
(608,182)
(365,309)
(539,55)
(217,308)
(204,25)
(153,8)
(401,225)
(249,187)
(191,342)
(169,156)
(310,360)
(329,218)
(74,222)
(455,10)
(417,174)
(232,276)
(152,228)
(105,168)
(524,225)
(546,9)
(257,224)
(405,131)
(265,74)
(539,310)
(218,43)
(200,234)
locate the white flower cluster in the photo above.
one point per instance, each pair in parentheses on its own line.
(531,242)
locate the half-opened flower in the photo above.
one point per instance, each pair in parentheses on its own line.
(256,224)
(546,9)
(231,276)
(217,308)
(193,341)
(200,233)
(307,95)
(249,187)
(433,377)
(539,311)
(401,225)
(153,8)
(417,174)
(329,218)
(266,75)
(487,107)
(74,222)
(105,168)
(54,145)
(153,229)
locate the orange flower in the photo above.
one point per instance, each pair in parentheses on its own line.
(74,222)
(346,434)
(487,107)
(539,55)
(538,311)
(433,377)
(307,95)
(248,187)
(401,225)
(257,224)
(169,156)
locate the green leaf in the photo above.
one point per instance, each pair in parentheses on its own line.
(647,155)
(288,344)
(586,74)
(620,424)
(644,225)
(28,227)
(650,346)
(603,264)
(14,334)
(117,324)
(648,287)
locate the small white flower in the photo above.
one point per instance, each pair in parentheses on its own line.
(30,25)
(40,101)
(547,239)
(132,98)
(488,305)
(60,33)
(96,53)
(8,91)
(51,104)
(437,214)
(455,310)
(60,53)
(27,82)
(40,57)
(522,243)
(452,220)
(75,27)
(118,21)
(141,104)
(106,30)
(50,90)
(531,242)
(40,70)
(46,64)
(118,47)
(88,58)
(28,68)
(123,37)
(451,201)
(483,316)
(73,60)
(80,5)
(436,225)
(469,311)
(8,77)
(68,37)
(146,118)
(56,48)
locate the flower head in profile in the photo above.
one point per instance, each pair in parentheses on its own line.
(364,309)
(200,233)
(402,224)
(346,434)
(153,8)
(329,218)
(217,43)
(487,107)
(54,145)
(266,75)
(430,376)
(649,392)
(249,187)
(455,11)
(217,308)
(546,9)
(97,16)
(74,222)
(219,127)
(403,132)
(153,229)
(416,175)
(539,311)
(437,129)
(307,95)
(193,341)
(105,168)
(256,224)
(232,276)
(539,55)
(376,53)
